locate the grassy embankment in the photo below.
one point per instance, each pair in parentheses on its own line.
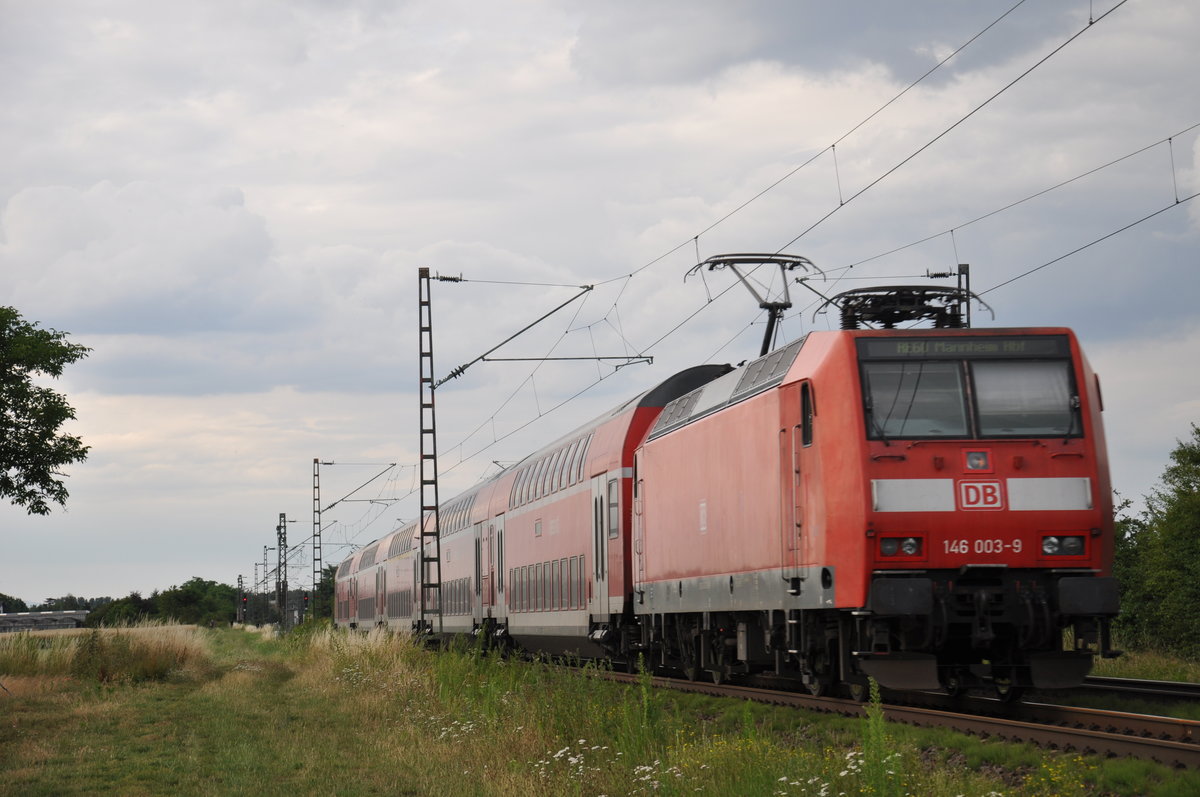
(188,711)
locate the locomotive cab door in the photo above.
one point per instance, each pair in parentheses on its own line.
(599,603)
(795,441)
(638,530)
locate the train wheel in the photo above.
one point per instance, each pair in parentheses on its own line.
(817,689)
(859,692)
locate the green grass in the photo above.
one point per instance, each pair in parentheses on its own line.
(1149,666)
(328,713)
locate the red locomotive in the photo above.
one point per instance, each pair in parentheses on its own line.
(930,508)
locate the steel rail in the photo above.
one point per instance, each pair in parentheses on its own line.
(1129,687)
(1168,741)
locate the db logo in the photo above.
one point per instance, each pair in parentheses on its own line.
(980,495)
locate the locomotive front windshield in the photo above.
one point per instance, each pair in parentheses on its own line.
(968,387)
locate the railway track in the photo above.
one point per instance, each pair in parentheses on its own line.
(1168,741)
(1174,691)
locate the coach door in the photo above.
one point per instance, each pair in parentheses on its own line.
(381,595)
(599,604)
(484,569)
(496,558)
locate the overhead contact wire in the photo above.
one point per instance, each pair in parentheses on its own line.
(1092,243)
(947,131)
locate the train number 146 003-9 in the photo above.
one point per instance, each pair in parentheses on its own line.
(981,546)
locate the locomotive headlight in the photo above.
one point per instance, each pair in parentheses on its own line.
(1063,546)
(1072,546)
(979,460)
(900,546)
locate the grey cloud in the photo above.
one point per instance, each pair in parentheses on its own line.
(679,41)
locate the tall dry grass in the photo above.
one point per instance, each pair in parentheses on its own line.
(142,651)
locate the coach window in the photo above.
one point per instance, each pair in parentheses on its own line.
(478,566)
(539,588)
(575,582)
(531,493)
(537,528)
(560,469)
(564,586)
(550,471)
(614,516)
(531,481)
(522,479)
(536,481)
(581,462)
(519,486)
(543,470)
(569,468)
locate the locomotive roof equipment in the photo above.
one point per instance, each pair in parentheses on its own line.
(891,305)
(774,310)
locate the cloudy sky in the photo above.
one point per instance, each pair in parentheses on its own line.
(229,202)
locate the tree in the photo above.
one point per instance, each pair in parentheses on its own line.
(32,449)
(70,603)
(11,605)
(1159,559)
(123,610)
(322,603)
(197,601)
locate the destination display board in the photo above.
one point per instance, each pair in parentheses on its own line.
(963,347)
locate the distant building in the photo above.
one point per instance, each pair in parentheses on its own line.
(41,621)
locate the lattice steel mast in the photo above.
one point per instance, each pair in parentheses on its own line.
(430,549)
(318,564)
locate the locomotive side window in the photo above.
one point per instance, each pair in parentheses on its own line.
(1027,398)
(806,414)
(915,399)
